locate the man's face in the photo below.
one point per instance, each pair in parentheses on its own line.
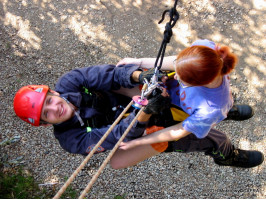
(55,109)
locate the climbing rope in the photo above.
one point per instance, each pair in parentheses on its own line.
(94,178)
(75,173)
(138,101)
(174,16)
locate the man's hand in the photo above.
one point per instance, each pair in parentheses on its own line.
(158,103)
(148,75)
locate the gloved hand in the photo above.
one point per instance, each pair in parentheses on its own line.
(158,103)
(148,75)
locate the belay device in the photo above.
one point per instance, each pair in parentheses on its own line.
(138,101)
(148,87)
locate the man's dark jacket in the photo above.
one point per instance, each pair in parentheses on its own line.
(90,90)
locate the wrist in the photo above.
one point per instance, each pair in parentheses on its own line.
(135,142)
(143,117)
(135,76)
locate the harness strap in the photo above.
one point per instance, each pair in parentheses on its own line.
(104,103)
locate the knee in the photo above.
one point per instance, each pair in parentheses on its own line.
(116,164)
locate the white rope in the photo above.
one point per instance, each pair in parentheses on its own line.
(94,178)
(75,173)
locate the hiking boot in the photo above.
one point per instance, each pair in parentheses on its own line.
(242,158)
(240,112)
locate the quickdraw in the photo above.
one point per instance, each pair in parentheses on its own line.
(138,101)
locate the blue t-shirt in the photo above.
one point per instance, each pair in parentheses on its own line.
(206,106)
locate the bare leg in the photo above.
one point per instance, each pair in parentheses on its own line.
(126,158)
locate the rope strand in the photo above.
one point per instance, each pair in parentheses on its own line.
(94,178)
(75,173)
(174,16)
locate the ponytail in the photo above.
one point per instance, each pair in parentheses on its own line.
(229,59)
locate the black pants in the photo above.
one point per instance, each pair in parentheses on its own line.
(215,144)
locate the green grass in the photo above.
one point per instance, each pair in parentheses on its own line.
(19,185)
(69,193)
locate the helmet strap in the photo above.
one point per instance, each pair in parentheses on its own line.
(76,112)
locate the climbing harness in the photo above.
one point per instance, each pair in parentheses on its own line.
(138,102)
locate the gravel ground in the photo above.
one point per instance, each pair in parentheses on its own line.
(41,40)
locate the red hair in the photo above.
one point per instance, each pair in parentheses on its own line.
(200,65)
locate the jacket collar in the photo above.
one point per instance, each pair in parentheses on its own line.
(74,98)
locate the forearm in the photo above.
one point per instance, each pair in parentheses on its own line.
(167,63)
(143,117)
(135,76)
(168,134)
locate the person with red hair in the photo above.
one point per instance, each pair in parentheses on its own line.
(201,90)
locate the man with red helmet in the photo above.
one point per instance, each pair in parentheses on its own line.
(82,107)
(32,104)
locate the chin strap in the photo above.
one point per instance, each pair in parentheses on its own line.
(76,112)
(79,118)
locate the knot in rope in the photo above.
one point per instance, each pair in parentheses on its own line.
(174,16)
(167,33)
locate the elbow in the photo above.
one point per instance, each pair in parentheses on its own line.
(121,160)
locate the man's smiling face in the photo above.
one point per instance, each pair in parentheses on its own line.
(55,109)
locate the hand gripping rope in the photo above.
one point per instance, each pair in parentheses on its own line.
(138,102)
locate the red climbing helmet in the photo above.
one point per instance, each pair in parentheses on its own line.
(28,103)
